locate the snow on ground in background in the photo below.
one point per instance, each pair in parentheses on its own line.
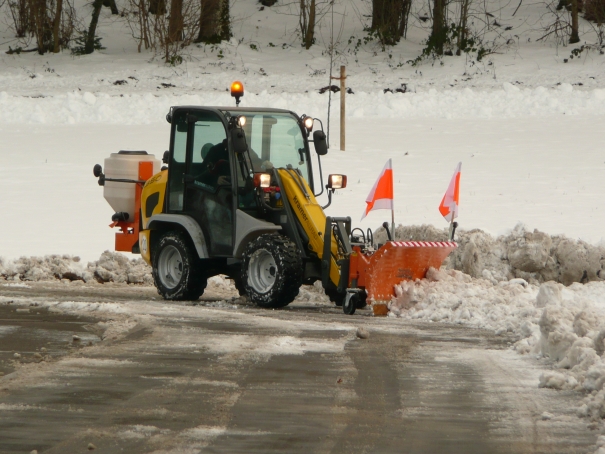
(507,101)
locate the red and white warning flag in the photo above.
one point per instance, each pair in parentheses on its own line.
(451,199)
(381,195)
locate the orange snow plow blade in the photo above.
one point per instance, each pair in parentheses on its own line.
(394,262)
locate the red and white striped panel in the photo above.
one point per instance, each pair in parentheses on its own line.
(424,243)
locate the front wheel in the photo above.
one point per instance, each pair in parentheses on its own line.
(176,269)
(272,271)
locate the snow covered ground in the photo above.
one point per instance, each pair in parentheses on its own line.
(527,127)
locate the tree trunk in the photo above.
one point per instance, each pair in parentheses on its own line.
(574,38)
(157,7)
(208,22)
(39,18)
(462,29)
(403,20)
(57,27)
(389,20)
(20,13)
(310,34)
(224,20)
(175,24)
(215,22)
(437,38)
(89,46)
(112,5)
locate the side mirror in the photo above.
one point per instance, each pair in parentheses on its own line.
(97,170)
(166,157)
(319,140)
(238,139)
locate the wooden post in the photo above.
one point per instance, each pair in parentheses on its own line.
(343,91)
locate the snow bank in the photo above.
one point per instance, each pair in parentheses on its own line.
(563,325)
(144,108)
(534,256)
(111,267)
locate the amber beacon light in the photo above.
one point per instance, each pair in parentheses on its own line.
(237,91)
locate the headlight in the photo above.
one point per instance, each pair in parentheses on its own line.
(336,181)
(241,121)
(262,180)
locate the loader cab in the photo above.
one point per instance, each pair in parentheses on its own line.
(206,180)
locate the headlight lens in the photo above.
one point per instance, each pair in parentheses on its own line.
(262,180)
(336,181)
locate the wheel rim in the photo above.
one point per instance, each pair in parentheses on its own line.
(262,271)
(170,267)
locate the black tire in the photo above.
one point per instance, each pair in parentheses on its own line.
(272,271)
(350,304)
(356,301)
(177,271)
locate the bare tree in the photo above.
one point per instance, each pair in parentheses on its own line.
(390,20)
(89,45)
(175,22)
(42,25)
(214,22)
(438,35)
(574,38)
(22,20)
(157,7)
(462,26)
(111,4)
(171,32)
(307,17)
(57,27)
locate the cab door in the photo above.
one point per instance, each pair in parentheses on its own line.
(201,186)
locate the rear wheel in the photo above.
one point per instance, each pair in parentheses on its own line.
(272,271)
(177,271)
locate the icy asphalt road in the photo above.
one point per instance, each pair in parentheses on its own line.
(148,376)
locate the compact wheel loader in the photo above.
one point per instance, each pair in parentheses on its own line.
(237,196)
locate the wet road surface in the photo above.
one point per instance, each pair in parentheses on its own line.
(150,376)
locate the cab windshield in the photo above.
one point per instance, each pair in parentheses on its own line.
(275,140)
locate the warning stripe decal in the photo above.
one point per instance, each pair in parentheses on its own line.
(424,243)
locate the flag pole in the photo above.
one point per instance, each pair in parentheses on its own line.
(453,226)
(392,209)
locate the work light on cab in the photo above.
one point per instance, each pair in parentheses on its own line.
(307,122)
(237,91)
(336,181)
